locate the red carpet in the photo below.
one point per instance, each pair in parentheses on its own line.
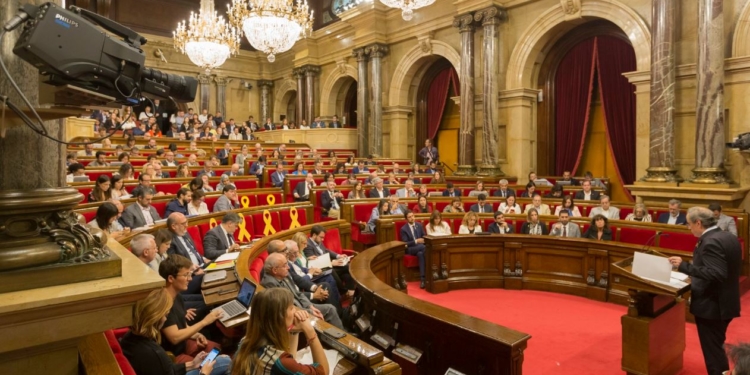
(569,335)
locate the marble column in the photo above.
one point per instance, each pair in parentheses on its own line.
(205,82)
(311,71)
(465,24)
(221,95)
(490,18)
(265,100)
(709,129)
(362,102)
(661,164)
(376,52)
(299,75)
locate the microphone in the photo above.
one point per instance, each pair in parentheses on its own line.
(652,240)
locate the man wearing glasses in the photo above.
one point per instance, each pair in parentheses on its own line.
(182,244)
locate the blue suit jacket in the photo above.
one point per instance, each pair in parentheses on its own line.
(681,218)
(277,180)
(410,239)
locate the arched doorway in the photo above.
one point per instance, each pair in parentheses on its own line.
(344,98)
(437,115)
(289,106)
(586,121)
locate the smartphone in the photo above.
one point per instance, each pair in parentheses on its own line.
(210,357)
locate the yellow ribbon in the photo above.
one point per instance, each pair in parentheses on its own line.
(212,223)
(269,226)
(244,235)
(294,215)
(271,199)
(245,202)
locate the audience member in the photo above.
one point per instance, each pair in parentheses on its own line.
(234,171)
(564,228)
(101,160)
(455,207)
(310,280)
(88,148)
(533,225)
(197,205)
(196,184)
(500,226)
(422,207)
(302,191)
(223,182)
(724,222)
(407,191)
(76,170)
(358,192)
(437,178)
(383,208)
(392,179)
(536,203)
(740,356)
(510,206)
(423,191)
(277,178)
(117,189)
(144,185)
(180,203)
(315,248)
(143,247)
(220,240)
(451,191)
(503,190)
(587,194)
(599,229)
(530,190)
(555,192)
(335,124)
(481,206)
(568,204)
(479,190)
(640,213)
(183,245)
(612,213)
(163,239)
(102,189)
(429,153)
(378,191)
(331,200)
(361,168)
(470,224)
(674,216)
(538,181)
(207,188)
(396,208)
(299,169)
(413,234)
(436,226)
(141,213)
(228,201)
(107,219)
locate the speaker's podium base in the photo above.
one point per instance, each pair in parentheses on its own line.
(653,331)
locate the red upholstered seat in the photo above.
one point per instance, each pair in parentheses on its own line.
(93,175)
(625,211)
(259,224)
(636,235)
(112,341)
(210,201)
(168,188)
(88,214)
(332,241)
(262,198)
(255,267)
(114,345)
(440,206)
(263,255)
(195,234)
(286,218)
(360,237)
(204,228)
(85,191)
(161,207)
(678,241)
(245,184)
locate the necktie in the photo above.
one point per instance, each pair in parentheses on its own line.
(335,204)
(481,209)
(565,231)
(191,248)
(412,231)
(230,240)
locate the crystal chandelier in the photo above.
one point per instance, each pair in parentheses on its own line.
(207,39)
(272,26)
(407,6)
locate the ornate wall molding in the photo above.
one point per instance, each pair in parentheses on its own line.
(741,35)
(541,35)
(398,94)
(332,85)
(572,8)
(282,88)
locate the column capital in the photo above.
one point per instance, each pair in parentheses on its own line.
(265,83)
(377,50)
(311,70)
(298,73)
(464,22)
(360,54)
(490,16)
(204,79)
(222,81)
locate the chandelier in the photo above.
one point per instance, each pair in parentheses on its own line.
(272,26)
(206,38)
(407,6)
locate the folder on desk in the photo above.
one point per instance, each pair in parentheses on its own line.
(220,266)
(322,262)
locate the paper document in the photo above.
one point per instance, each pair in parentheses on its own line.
(322,261)
(679,276)
(227,256)
(652,267)
(222,266)
(672,282)
(305,357)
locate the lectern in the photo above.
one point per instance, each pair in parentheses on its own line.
(653,331)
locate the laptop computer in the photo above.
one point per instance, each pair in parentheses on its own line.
(240,304)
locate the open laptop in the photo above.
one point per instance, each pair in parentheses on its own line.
(240,304)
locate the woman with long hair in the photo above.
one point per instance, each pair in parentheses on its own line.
(383,208)
(470,224)
(599,229)
(422,206)
(299,169)
(106,220)
(163,239)
(102,189)
(117,188)
(358,192)
(272,338)
(141,344)
(510,206)
(530,189)
(197,205)
(455,207)
(183,171)
(533,225)
(195,184)
(301,239)
(437,178)
(569,204)
(438,227)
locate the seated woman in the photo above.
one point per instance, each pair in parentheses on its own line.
(599,229)
(530,188)
(392,180)
(351,180)
(106,220)
(358,192)
(350,161)
(195,184)
(438,227)
(206,185)
(163,239)
(272,338)
(533,225)
(101,191)
(299,169)
(223,181)
(183,171)
(640,213)
(422,206)
(455,207)
(422,191)
(141,344)
(510,206)
(470,224)
(197,205)
(118,191)
(555,192)
(341,168)
(479,190)
(569,204)
(437,178)
(383,208)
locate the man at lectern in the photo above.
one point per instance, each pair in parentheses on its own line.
(714,274)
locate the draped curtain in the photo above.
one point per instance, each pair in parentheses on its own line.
(436,98)
(618,99)
(574,84)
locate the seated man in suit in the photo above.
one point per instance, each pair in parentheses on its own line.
(141,213)
(413,234)
(234,171)
(228,201)
(223,154)
(724,222)
(319,288)
(276,275)
(567,177)
(257,168)
(220,240)
(481,206)
(378,191)
(674,216)
(605,209)
(182,244)
(407,191)
(503,191)
(335,124)
(360,168)
(396,208)
(587,194)
(500,226)
(536,202)
(179,204)
(302,190)
(564,228)
(269,125)
(331,201)
(277,178)
(451,191)
(317,124)
(340,263)
(144,184)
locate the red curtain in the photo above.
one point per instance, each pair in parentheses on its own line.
(436,98)
(574,83)
(615,57)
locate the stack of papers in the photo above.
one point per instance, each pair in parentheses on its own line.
(305,357)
